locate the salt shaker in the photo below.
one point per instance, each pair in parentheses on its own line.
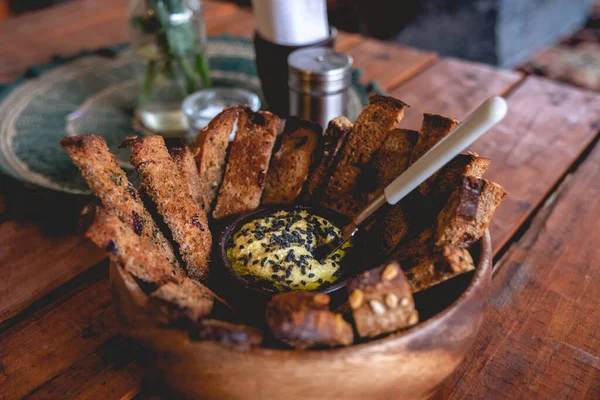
(318,82)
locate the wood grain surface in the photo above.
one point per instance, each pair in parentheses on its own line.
(452,88)
(41,247)
(51,339)
(239,22)
(389,64)
(540,336)
(67,28)
(547,126)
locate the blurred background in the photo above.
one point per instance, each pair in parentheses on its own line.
(559,39)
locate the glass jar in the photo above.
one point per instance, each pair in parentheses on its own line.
(168,39)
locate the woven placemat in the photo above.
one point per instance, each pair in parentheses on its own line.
(94,92)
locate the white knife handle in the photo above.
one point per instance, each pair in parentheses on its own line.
(480,121)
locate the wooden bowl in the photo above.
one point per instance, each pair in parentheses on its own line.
(409,365)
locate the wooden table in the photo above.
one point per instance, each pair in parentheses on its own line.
(540,338)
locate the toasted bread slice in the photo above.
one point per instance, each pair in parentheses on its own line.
(414,250)
(246,170)
(371,129)
(391,228)
(303,320)
(393,156)
(145,263)
(171,194)
(389,162)
(433,129)
(101,171)
(345,182)
(291,164)
(333,138)
(468,212)
(186,301)
(400,224)
(451,176)
(210,149)
(381,301)
(184,160)
(241,337)
(447,263)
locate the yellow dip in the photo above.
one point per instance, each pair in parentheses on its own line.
(279,248)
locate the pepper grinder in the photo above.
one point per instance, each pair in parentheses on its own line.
(318,81)
(283,26)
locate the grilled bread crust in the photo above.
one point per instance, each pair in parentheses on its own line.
(433,129)
(389,162)
(468,212)
(109,183)
(393,157)
(291,164)
(171,194)
(303,320)
(210,150)
(333,139)
(451,176)
(184,160)
(381,301)
(371,129)
(445,264)
(185,301)
(246,170)
(414,250)
(395,223)
(130,251)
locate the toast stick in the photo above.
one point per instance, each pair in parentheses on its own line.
(248,163)
(130,251)
(170,192)
(110,184)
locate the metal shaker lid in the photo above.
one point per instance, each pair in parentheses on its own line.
(319,69)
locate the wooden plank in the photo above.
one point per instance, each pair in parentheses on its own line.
(41,246)
(388,63)
(32,264)
(37,348)
(67,28)
(547,127)
(540,335)
(452,88)
(345,41)
(4,11)
(238,23)
(109,372)
(33,38)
